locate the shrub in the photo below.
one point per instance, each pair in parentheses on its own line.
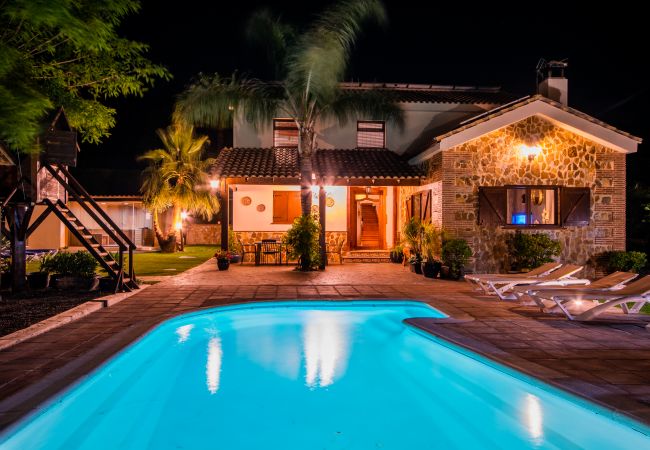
(412,235)
(528,251)
(302,242)
(455,253)
(431,242)
(79,264)
(5,265)
(223,255)
(233,244)
(626,261)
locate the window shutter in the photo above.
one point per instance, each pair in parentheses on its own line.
(293,208)
(492,205)
(280,211)
(426,206)
(575,206)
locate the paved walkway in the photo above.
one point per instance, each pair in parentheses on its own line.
(609,364)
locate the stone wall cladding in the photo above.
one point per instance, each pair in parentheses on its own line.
(250,237)
(566,160)
(203,234)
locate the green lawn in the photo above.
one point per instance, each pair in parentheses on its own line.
(156,263)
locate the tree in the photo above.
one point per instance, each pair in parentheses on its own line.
(67,53)
(311,66)
(177,178)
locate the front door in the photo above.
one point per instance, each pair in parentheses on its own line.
(367,224)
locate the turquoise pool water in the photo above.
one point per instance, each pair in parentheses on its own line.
(285,376)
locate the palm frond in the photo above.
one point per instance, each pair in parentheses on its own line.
(319,61)
(212,101)
(273,36)
(365,105)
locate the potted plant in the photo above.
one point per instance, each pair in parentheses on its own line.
(40,279)
(233,247)
(5,273)
(223,259)
(72,270)
(301,241)
(455,254)
(412,234)
(397,254)
(431,240)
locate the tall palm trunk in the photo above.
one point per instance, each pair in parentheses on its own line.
(306,151)
(167,242)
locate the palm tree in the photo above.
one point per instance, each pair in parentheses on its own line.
(177,178)
(310,66)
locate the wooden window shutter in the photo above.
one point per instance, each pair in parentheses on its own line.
(293,206)
(280,207)
(426,206)
(492,205)
(575,206)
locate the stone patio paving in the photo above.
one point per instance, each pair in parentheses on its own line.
(608,363)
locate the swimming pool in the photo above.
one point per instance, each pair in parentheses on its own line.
(298,375)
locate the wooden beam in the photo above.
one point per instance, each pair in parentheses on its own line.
(322,208)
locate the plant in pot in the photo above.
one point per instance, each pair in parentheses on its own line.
(40,279)
(302,242)
(431,247)
(72,270)
(412,235)
(5,273)
(455,254)
(223,259)
(528,251)
(233,249)
(397,254)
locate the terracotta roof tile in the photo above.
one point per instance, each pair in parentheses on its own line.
(258,162)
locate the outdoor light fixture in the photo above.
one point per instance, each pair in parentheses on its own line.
(183,215)
(179,225)
(530,151)
(214,184)
(367,190)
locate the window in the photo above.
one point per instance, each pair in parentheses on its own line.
(285,133)
(371,134)
(419,205)
(286,206)
(534,206)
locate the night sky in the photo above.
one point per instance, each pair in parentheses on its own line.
(452,43)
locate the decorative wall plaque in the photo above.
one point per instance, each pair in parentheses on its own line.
(261,207)
(330,201)
(246,201)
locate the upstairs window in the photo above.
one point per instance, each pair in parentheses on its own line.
(371,134)
(534,206)
(285,133)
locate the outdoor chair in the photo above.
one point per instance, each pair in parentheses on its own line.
(271,250)
(559,277)
(636,293)
(337,249)
(246,249)
(540,294)
(481,279)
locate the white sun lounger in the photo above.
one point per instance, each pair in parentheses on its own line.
(542,295)
(560,277)
(637,293)
(481,279)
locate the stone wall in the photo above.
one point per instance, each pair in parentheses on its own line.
(566,160)
(250,237)
(203,234)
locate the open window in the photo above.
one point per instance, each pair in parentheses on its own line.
(285,133)
(286,206)
(371,134)
(534,206)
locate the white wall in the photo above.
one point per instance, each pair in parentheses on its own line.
(49,235)
(418,117)
(248,218)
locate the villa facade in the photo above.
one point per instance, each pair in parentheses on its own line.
(478,162)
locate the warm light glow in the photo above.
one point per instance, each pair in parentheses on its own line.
(184,333)
(326,347)
(578,302)
(534,417)
(530,151)
(213,366)
(183,215)
(214,184)
(179,225)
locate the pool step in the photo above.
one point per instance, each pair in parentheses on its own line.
(367,256)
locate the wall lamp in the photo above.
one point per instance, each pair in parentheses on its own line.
(530,151)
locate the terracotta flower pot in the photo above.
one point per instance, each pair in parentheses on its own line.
(223,264)
(38,280)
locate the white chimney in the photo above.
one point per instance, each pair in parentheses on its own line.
(551,82)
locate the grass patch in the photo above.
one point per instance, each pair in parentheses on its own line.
(156,263)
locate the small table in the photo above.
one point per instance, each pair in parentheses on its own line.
(258,252)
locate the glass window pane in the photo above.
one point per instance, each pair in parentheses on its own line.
(517,206)
(542,206)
